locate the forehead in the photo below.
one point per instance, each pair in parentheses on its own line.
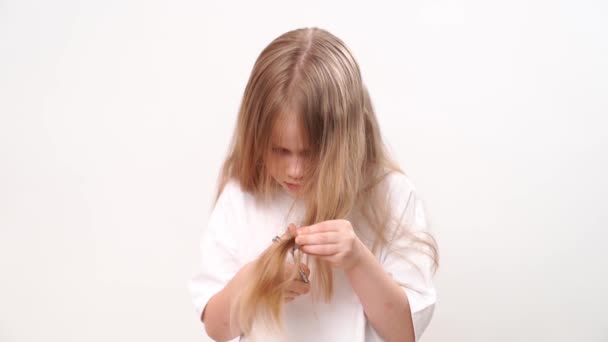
(289,133)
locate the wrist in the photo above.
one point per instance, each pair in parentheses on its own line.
(360,254)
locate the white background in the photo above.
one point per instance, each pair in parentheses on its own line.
(116,115)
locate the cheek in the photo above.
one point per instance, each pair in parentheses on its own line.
(274,167)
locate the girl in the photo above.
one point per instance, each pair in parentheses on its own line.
(316,234)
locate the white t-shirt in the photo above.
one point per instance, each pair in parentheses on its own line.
(241,228)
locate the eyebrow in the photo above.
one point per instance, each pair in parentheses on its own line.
(306,150)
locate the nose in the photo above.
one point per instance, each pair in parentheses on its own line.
(295,168)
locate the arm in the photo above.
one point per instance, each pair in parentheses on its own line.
(216,315)
(384,302)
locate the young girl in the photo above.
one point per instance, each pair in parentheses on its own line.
(316,234)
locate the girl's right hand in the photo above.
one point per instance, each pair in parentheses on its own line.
(297,287)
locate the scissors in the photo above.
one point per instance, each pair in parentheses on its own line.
(303,276)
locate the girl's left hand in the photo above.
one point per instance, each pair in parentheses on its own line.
(334,241)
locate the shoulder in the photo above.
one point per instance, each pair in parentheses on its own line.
(398,187)
(233,195)
(405,202)
(232,189)
(399,183)
(226,225)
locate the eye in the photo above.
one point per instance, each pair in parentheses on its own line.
(280,150)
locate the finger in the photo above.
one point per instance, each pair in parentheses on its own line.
(299,288)
(325,226)
(292,229)
(288,270)
(290,232)
(289,299)
(322,250)
(305,269)
(318,238)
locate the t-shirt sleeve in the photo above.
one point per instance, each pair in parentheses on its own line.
(405,260)
(218,251)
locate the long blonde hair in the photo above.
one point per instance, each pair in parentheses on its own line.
(311,73)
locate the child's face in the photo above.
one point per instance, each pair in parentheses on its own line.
(289,155)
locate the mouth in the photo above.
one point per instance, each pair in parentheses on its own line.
(292,186)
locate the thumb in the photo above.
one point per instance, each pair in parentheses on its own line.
(292,230)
